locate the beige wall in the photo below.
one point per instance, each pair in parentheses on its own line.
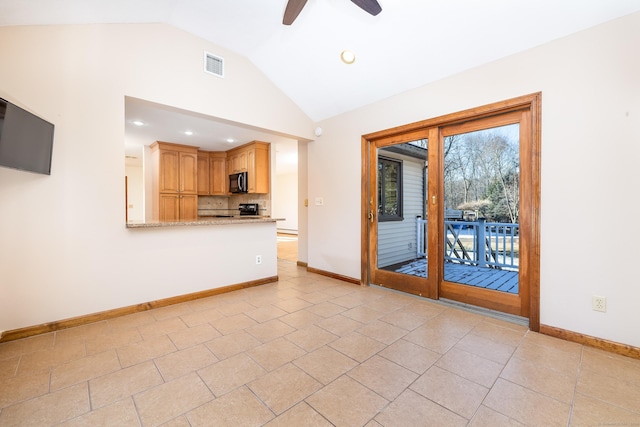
(303,197)
(590,84)
(64,248)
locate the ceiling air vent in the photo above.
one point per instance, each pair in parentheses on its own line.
(213,64)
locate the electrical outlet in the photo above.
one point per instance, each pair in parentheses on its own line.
(258,259)
(599,303)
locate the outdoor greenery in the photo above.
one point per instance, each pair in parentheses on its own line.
(482,173)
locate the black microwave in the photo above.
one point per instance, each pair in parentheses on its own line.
(238,183)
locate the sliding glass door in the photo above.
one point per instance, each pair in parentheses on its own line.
(450,207)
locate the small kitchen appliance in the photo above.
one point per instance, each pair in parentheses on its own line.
(238,183)
(249,209)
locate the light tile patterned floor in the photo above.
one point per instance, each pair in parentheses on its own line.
(312,351)
(288,247)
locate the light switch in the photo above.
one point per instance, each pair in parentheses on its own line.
(319,201)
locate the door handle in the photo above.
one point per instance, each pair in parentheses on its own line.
(370,216)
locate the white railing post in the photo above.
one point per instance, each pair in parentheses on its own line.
(420,240)
(481,244)
(418,234)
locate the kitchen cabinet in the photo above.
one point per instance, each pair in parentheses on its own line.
(237,161)
(175,207)
(258,167)
(212,173)
(254,159)
(175,181)
(203,174)
(218,177)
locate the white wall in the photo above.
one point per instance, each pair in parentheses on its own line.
(64,248)
(286,206)
(590,84)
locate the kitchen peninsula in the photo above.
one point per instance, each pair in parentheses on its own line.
(192,215)
(212,220)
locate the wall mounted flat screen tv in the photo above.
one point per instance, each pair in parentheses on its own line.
(26,140)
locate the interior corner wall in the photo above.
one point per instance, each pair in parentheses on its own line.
(590,84)
(135,192)
(303,202)
(65,250)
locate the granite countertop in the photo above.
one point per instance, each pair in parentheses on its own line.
(206,220)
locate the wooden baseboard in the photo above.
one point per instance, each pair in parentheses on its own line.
(333,275)
(301,264)
(600,343)
(44,328)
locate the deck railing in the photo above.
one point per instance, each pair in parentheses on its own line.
(480,243)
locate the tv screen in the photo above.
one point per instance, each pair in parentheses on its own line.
(26,140)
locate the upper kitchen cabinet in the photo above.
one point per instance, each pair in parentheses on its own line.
(237,160)
(203,174)
(258,168)
(252,158)
(218,177)
(175,181)
(212,173)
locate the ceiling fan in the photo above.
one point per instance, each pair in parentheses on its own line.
(294,7)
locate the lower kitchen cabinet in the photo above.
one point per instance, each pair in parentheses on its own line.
(175,182)
(174,207)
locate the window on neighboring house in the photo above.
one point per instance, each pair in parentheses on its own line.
(389,189)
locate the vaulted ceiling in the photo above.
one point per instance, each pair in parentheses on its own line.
(409,44)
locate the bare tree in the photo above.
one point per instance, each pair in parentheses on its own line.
(481,166)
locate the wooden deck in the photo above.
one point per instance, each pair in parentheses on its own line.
(482,277)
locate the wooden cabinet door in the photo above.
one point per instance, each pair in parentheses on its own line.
(258,167)
(188,207)
(218,175)
(237,161)
(169,179)
(204,184)
(188,173)
(241,161)
(230,160)
(251,167)
(169,207)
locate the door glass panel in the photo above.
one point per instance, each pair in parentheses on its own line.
(481,208)
(401,211)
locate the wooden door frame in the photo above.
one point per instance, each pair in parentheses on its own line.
(530,197)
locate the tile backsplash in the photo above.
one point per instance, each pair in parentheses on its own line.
(222,205)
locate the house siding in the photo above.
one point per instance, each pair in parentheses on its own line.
(397,239)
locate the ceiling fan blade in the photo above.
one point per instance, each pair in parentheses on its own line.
(369,6)
(293,9)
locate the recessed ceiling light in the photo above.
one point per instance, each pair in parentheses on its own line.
(230,140)
(138,123)
(347,57)
(188,132)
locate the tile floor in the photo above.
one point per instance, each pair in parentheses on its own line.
(288,247)
(312,351)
